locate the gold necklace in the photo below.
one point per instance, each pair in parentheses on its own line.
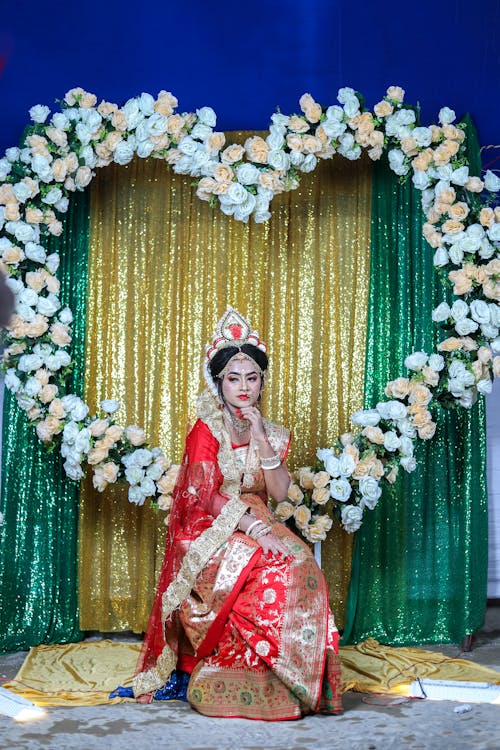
(240,426)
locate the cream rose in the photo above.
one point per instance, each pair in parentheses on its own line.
(295,494)
(98,453)
(257,149)
(232,154)
(114,432)
(321,495)
(426,432)
(48,393)
(98,427)
(284,511)
(56,409)
(321,479)
(298,124)
(306,477)
(374,435)
(302,516)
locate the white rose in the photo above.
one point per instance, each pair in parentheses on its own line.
(490,332)
(11,380)
(406,446)
(154,471)
(200,131)
(35,252)
(491,181)
(52,262)
(65,316)
(29,362)
(494,232)
(133,113)
(366,417)
(296,158)
(82,441)
(13,153)
(345,93)
(446,116)
(276,138)
(25,402)
(21,191)
(466,326)
(494,311)
(23,232)
(146,103)
(144,149)
(309,164)
(468,398)
(346,465)
(25,311)
(32,386)
(480,311)
(62,205)
(441,257)
(109,405)
(244,209)
(247,174)
(436,361)
(280,119)
(73,470)
(237,193)
(340,489)
(391,409)
(55,361)
(28,296)
(460,176)
(39,113)
(334,112)
(279,160)
(53,195)
(391,441)
(332,465)
(459,310)
(134,474)
(406,427)
(158,124)
(140,457)
(207,116)
(123,153)
(70,433)
(75,407)
(397,162)
(334,128)
(323,453)
(456,254)
(485,386)
(370,492)
(148,487)
(416,361)
(495,345)
(135,495)
(421,180)
(351,516)
(351,106)
(441,312)
(423,136)
(408,463)
(48,305)
(83,133)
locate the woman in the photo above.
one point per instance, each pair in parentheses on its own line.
(241,605)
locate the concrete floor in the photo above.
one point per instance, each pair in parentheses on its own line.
(416,725)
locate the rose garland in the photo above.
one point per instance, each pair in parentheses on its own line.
(58,157)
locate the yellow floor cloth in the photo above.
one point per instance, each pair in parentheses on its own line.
(83,674)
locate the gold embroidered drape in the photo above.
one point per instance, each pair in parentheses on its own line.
(163,267)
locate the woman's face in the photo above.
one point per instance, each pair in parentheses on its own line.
(241,383)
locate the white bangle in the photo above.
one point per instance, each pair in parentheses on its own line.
(270,462)
(252,526)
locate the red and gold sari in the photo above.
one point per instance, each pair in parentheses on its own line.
(254,631)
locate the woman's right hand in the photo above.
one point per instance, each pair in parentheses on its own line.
(271,544)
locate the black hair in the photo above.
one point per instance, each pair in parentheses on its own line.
(220,360)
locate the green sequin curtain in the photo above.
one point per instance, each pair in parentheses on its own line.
(38,539)
(420,559)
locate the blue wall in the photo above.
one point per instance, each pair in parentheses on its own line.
(244,59)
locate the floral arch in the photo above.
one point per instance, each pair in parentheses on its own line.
(58,156)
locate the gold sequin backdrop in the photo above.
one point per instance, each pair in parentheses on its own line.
(163,268)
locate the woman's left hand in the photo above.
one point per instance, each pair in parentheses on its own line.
(270,543)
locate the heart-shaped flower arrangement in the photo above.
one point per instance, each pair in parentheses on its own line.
(57,156)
